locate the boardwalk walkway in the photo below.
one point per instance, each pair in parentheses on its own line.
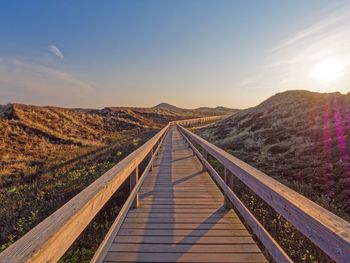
(181,217)
(176,213)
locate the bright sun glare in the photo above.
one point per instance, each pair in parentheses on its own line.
(328,70)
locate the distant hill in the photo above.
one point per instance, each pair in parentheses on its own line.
(301,138)
(202,111)
(167,106)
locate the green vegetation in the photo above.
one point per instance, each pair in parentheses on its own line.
(296,245)
(300,138)
(28,203)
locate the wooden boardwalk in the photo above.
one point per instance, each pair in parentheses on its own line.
(181,214)
(181,217)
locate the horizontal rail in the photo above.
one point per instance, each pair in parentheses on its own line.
(49,240)
(104,246)
(270,244)
(200,120)
(328,231)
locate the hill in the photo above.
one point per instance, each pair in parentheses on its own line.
(199,112)
(167,106)
(298,137)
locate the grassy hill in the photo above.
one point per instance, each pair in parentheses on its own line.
(298,137)
(33,136)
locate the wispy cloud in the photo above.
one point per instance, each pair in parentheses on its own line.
(54,50)
(290,64)
(318,29)
(20,78)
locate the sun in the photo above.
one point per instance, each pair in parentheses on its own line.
(328,70)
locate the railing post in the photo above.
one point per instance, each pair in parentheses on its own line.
(134,178)
(152,152)
(205,154)
(228,181)
(157,147)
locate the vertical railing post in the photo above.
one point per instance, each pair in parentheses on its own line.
(228,181)
(152,152)
(134,178)
(205,154)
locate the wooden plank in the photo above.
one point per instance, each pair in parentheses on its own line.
(184,257)
(178,215)
(188,219)
(181,195)
(185,248)
(184,240)
(179,201)
(190,210)
(183,232)
(171,206)
(182,226)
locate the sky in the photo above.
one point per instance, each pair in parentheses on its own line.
(236,54)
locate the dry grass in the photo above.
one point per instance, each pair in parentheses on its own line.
(300,138)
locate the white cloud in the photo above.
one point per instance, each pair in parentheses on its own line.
(54,50)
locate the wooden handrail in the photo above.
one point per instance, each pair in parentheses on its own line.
(328,231)
(105,245)
(267,240)
(49,240)
(200,120)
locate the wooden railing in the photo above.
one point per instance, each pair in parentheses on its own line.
(49,240)
(326,230)
(202,120)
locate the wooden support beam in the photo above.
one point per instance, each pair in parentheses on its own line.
(205,154)
(134,178)
(152,153)
(228,179)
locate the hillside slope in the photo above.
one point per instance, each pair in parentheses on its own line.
(298,137)
(33,137)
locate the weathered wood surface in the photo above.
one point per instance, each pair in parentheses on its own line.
(326,230)
(49,240)
(181,217)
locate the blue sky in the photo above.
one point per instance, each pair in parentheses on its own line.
(188,53)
